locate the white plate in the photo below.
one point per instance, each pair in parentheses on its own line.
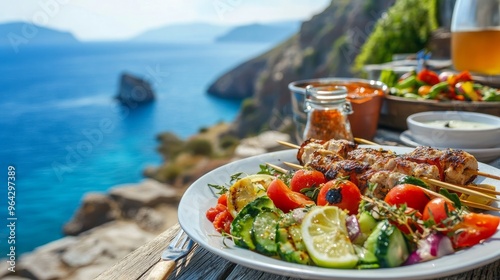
(199,197)
(484,155)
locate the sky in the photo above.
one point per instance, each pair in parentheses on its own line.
(92,20)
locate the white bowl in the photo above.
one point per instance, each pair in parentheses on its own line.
(426,130)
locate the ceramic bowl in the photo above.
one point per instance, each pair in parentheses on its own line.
(455,129)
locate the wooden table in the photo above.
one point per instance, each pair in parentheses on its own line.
(202,264)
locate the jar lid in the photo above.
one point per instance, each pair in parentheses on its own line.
(326,94)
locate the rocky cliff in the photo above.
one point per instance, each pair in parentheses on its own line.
(325,46)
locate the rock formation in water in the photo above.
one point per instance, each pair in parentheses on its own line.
(134,91)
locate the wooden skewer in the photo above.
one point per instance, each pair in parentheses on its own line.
(465,202)
(293,165)
(286,144)
(278,168)
(457,188)
(364,141)
(479,205)
(359,140)
(483,190)
(484,174)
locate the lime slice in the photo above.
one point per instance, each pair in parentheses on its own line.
(325,236)
(246,190)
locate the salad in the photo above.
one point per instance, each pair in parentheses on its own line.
(301,217)
(429,85)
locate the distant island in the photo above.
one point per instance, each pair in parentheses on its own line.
(261,33)
(17,34)
(206,33)
(183,33)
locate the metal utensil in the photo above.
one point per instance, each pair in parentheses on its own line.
(178,248)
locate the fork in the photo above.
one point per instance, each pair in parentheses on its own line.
(178,248)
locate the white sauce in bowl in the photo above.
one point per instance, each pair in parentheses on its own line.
(457,124)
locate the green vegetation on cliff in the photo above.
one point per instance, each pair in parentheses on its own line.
(405,28)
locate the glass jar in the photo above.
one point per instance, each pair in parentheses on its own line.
(327,113)
(475,36)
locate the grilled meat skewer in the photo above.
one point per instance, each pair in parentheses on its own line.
(452,166)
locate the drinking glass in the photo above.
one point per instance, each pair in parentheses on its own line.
(475,36)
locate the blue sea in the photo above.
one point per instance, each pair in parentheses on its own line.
(65,135)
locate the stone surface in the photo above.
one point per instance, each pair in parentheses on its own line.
(260,144)
(150,219)
(96,209)
(89,272)
(58,245)
(83,253)
(246,73)
(84,256)
(131,197)
(42,266)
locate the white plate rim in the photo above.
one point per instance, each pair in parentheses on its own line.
(198,198)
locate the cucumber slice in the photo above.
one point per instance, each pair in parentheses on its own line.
(264,231)
(388,244)
(291,248)
(366,225)
(366,258)
(241,227)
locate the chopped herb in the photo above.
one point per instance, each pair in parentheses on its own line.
(235,177)
(268,170)
(311,192)
(451,196)
(402,216)
(222,189)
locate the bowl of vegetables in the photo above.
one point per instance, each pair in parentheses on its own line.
(426,90)
(455,129)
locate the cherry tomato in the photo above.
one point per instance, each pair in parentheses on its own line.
(411,195)
(304,179)
(427,76)
(213,211)
(284,198)
(463,76)
(341,193)
(436,210)
(474,228)
(222,221)
(222,199)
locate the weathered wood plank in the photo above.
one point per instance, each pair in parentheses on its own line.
(140,261)
(203,265)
